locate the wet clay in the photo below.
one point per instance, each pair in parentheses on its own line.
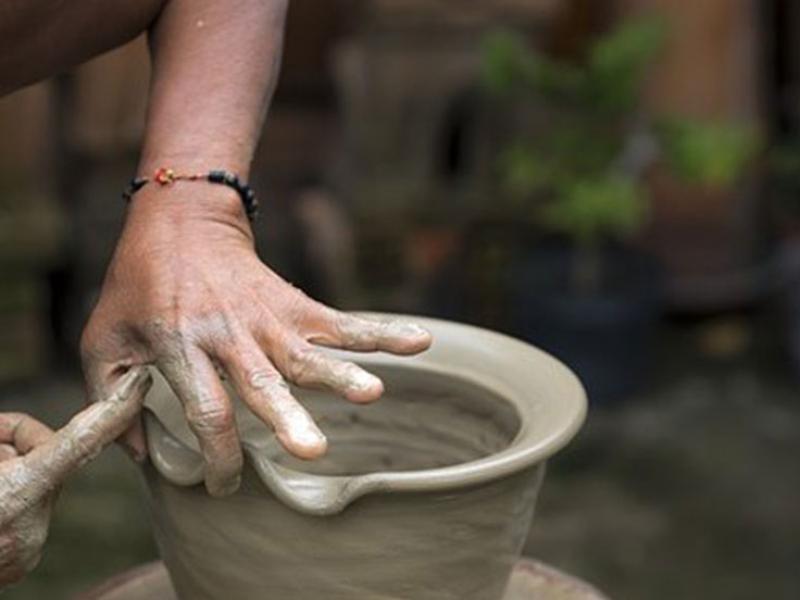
(530,580)
(425,495)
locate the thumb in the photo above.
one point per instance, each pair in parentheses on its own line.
(48,465)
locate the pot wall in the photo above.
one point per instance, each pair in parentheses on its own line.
(455,545)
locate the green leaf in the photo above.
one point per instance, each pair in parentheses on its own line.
(618,61)
(523,171)
(507,63)
(713,154)
(510,65)
(589,209)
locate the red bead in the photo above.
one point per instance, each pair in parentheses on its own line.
(164,176)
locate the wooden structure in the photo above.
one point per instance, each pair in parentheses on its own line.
(31,232)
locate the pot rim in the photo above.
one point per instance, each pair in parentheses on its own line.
(529,446)
(547,397)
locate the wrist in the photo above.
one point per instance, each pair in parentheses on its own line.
(196,162)
(216,186)
(188,205)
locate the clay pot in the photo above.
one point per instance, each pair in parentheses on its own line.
(427,494)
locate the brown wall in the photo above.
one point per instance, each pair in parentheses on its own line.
(711,69)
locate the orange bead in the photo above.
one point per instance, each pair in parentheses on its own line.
(164,176)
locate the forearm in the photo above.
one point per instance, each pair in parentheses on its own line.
(39,38)
(215,65)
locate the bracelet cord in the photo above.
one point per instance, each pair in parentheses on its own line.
(165,176)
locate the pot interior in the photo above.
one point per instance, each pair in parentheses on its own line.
(424,420)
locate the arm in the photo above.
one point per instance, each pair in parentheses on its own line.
(215,65)
(185,290)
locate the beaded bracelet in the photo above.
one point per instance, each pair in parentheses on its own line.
(165,176)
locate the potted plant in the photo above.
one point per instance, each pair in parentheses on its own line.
(783,188)
(574,165)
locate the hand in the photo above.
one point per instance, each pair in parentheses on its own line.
(185,291)
(34,462)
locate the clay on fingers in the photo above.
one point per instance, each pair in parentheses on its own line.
(7,452)
(269,397)
(22,432)
(27,481)
(368,334)
(313,368)
(193,377)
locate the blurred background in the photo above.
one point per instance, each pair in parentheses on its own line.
(615,181)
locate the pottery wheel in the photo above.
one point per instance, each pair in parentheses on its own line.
(531,580)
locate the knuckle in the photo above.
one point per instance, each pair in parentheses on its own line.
(342,323)
(181,329)
(302,309)
(302,364)
(297,353)
(35,539)
(168,330)
(84,444)
(319,310)
(357,332)
(260,378)
(211,420)
(88,344)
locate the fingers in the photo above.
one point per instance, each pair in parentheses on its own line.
(210,414)
(309,367)
(21,542)
(88,432)
(100,378)
(50,458)
(265,392)
(367,334)
(7,452)
(22,432)
(133,441)
(11,569)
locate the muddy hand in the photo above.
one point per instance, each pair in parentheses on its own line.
(34,462)
(187,292)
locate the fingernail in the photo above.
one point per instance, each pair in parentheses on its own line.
(229,487)
(135,455)
(405,329)
(361,381)
(308,437)
(136,380)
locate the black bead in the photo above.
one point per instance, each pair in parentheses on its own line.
(219,176)
(216,176)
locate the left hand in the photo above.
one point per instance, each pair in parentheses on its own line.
(186,292)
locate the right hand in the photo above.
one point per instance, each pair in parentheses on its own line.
(34,462)
(186,292)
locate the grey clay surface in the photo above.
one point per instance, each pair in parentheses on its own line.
(530,580)
(425,495)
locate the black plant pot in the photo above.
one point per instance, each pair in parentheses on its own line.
(607,335)
(788,277)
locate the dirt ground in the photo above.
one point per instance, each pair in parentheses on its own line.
(691,493)
(690,490)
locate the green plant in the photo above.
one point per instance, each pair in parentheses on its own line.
(573,169)
(707,153)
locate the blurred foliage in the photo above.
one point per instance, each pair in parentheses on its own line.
(588,206)
(576,169)
(618,62)
(708,153)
